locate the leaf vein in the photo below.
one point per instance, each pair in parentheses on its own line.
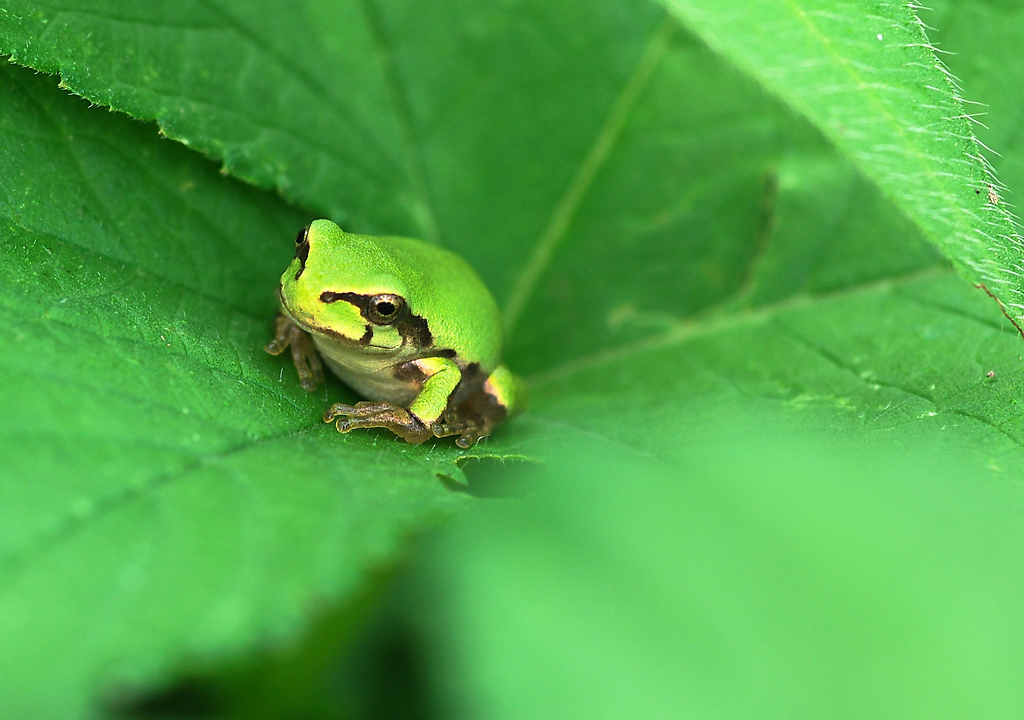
(715,320)
(604,143)
(301,75)
(14,563)
(427,218)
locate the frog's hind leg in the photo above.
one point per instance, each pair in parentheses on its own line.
(476,417)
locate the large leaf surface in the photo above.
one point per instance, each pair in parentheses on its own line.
(670,244)
(163,487)
(867,77)
(980,42)
(368,131)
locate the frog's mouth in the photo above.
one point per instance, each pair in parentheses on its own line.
(315,329)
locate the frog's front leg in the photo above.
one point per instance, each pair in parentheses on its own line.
(304,355)
(413,424)
(383,415)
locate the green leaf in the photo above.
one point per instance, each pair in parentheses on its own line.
(980,41)
(904,360)
(870,81)
(670,243)
(775,577)
(168,491)
(261,86)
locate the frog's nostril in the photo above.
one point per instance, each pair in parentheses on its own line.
(302,249)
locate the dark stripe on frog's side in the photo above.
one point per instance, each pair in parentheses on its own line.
(411,372)
(471,402)
(465,394)
(367,336)
(413,328)
(472,380)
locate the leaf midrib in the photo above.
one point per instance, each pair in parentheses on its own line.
(722,319)
(564,211)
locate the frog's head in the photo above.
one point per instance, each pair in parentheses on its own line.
(352,289)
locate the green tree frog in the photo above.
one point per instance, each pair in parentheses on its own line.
(406,324)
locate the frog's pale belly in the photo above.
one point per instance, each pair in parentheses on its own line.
(373,377)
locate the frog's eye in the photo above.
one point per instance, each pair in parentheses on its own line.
(385,309)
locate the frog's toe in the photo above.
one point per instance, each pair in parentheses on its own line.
(336,410)
(442,430)
(398,420)
(304,354)
(469,431)
(470,438)
(452,426)
(306,360)
(360,410)
(282,335)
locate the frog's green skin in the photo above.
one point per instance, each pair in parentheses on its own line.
(405,323)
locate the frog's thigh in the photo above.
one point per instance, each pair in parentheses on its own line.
(443,376)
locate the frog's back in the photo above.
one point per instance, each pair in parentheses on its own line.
(447,293)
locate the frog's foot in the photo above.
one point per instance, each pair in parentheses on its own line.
(383,415)
(469,432)
(304,355)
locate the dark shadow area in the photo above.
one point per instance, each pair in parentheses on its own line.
(187,699)
(359,662)
(492,478)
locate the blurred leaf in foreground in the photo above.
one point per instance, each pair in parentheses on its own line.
(755,574)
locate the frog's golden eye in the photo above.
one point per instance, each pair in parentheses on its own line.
(385,309)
